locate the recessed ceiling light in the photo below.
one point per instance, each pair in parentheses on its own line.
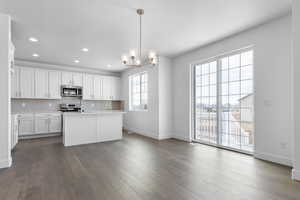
(76,61)
(85,49)
(35,55)
(33,39)
(109,66)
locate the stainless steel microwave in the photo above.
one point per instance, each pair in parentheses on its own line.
(71,91)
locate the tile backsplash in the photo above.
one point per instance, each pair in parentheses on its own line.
(32,105)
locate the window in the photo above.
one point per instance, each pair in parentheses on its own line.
(224,101)
(138,91)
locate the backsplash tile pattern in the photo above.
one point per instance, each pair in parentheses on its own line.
(32,105)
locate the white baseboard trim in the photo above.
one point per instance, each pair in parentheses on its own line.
(274,158)
(181,137)
(142,132)
(5,163)
(296,175)
(165,136)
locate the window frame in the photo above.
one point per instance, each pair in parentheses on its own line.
(142,106)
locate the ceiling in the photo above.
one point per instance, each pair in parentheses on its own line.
(108,28)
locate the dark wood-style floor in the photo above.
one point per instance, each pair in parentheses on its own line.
(140,168)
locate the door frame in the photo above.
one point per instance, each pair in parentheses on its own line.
(193,102)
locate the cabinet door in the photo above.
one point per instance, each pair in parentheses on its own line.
(41,125)
(26,82)
(77,79)
(15,84)
(55,124)
(88,87)
(106,88)
(41,84)
(26,126)
(116,88)
(66,78)
(97,87)
(106,131)
(54,84)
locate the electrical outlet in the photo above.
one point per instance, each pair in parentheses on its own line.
(283,145)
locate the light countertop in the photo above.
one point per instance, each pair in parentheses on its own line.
(104,112)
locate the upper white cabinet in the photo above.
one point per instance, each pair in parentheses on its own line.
(15,83)
(47,84)
(115,88)
(26,81)
(54,84)
(41,84)
(88,87)
(71,78)
(36,83)
(97,87)
(77,79)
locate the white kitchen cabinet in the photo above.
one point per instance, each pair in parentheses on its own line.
(41,124)
(72,78)
(41,84)
(55,123)
(26,124)
(66,78)
(97,87)
(107,132)
(115,88)
(106,88)
(77,79)
(54,84)
(15,82)
(26,82)
(88,87)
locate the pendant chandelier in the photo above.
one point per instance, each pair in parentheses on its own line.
(135,59)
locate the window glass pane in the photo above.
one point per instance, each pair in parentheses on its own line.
(246,115)
(224,76)
(234,88)
(224,89)
(234,74)
(234,101)
(205,91)
(246,87)
(247,72)
(213,67)
(205,68)
(224,63)
(213,90)
(205,80)
(225,102)
(213,78)
(234,61)
(139,91)
(247,58)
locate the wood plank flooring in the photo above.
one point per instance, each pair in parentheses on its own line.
(139,168)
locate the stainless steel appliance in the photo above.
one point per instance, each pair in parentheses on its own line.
(70,107)
(71,91)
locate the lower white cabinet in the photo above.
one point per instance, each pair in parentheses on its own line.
(26,124)
(55,123)
(39,124)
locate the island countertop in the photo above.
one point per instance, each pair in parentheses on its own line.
(103,112)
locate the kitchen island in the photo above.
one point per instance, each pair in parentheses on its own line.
(91,127)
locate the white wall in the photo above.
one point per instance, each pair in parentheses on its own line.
(5,154)
(157,121)
(142,122)
(273,85)
(165,98)
(296,68)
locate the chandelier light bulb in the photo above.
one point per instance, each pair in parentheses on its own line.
(132,54)
(152,55)
(124,60)
(138,62)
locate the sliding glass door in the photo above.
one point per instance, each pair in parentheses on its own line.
(224,101)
